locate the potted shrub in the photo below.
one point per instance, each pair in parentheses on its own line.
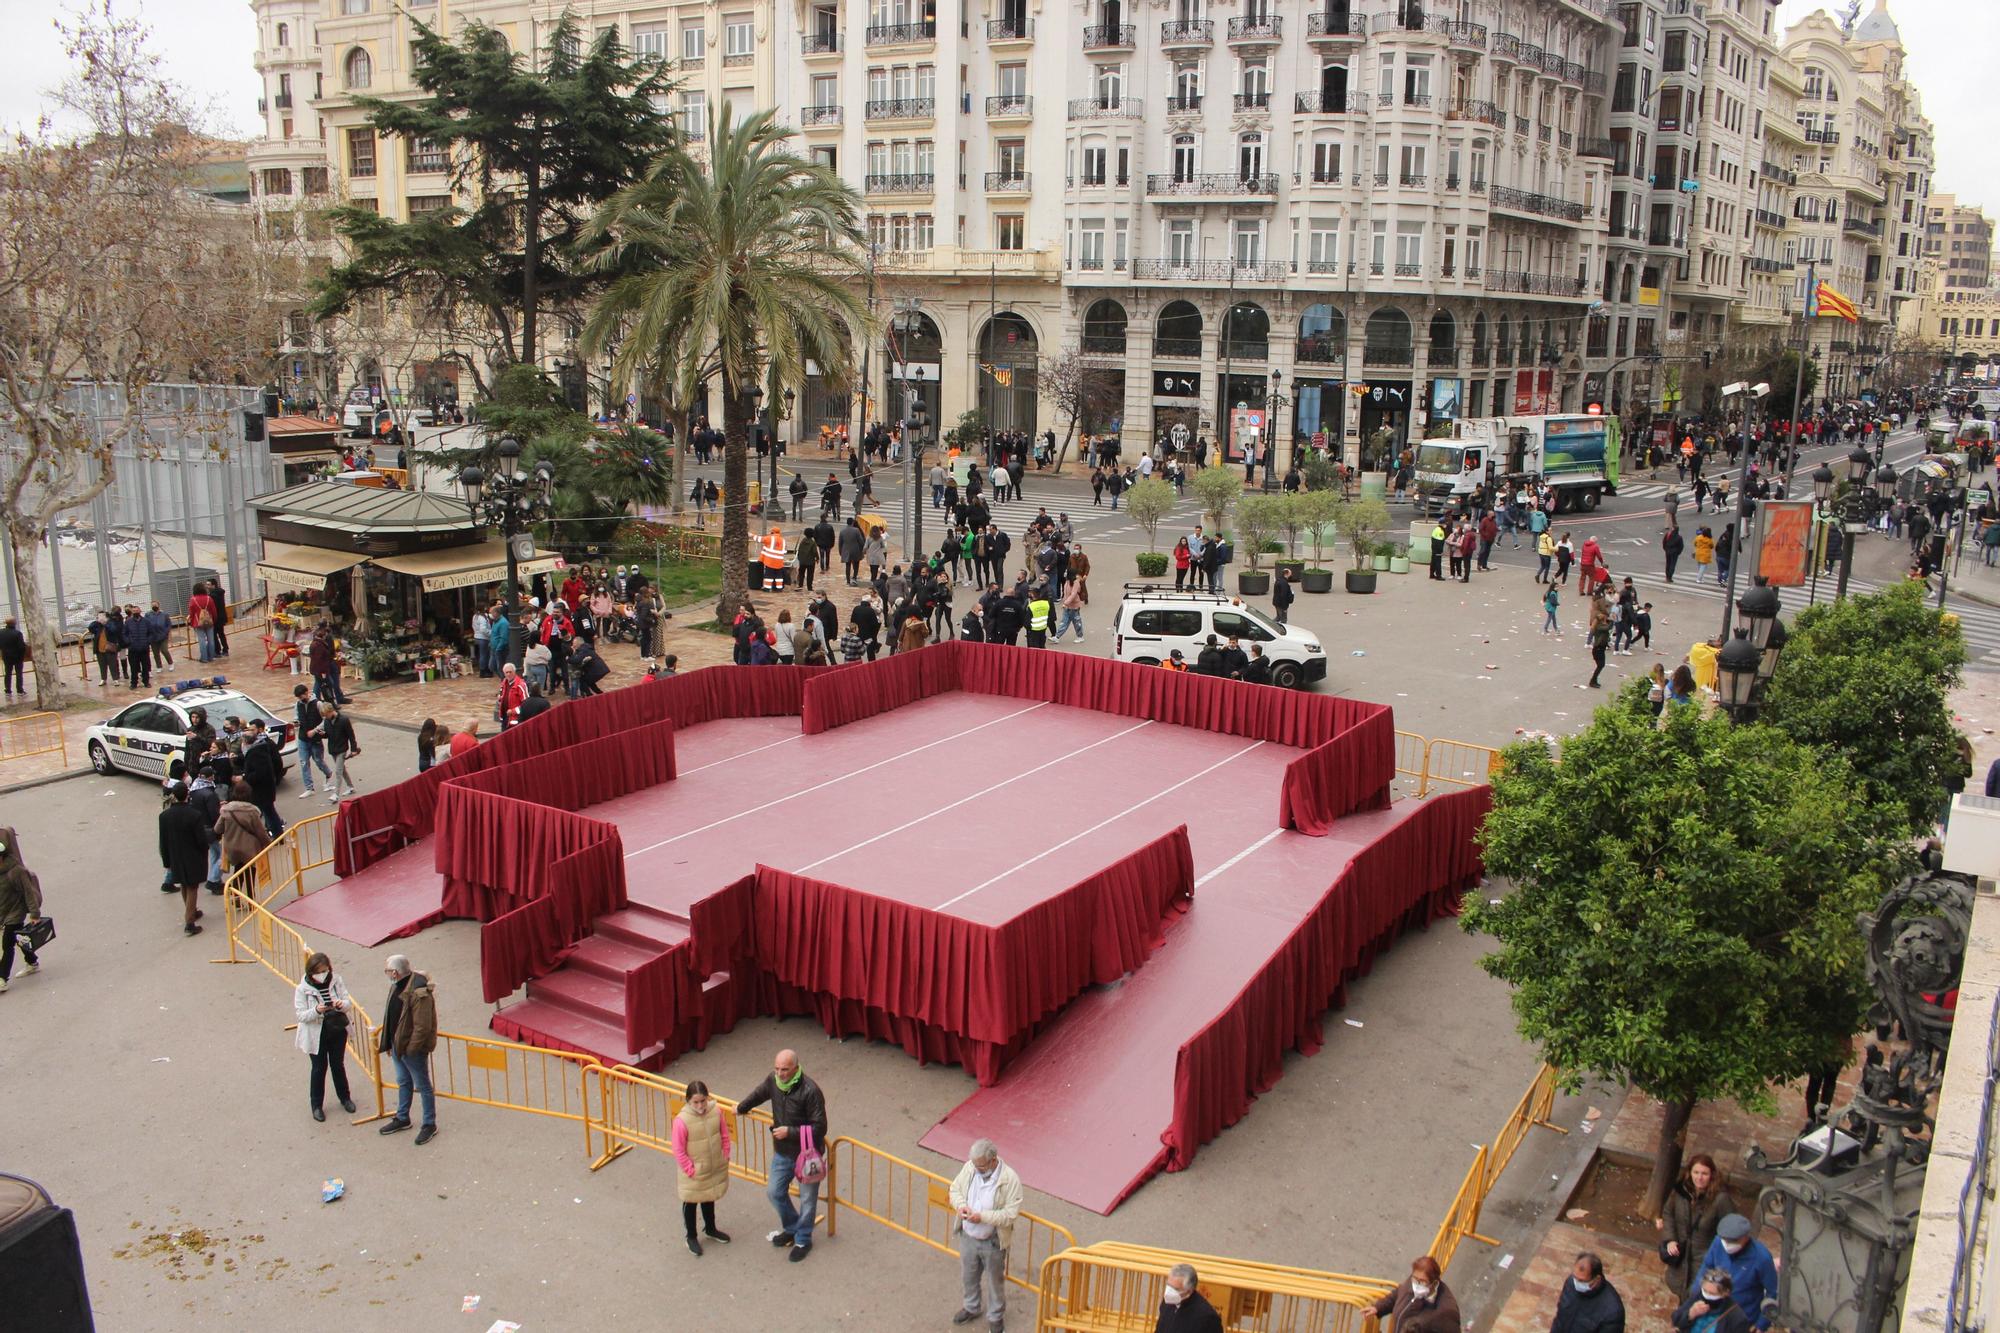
(1217,488)
(1290,519)
(1383,551)
(1257,518)
(1360,523)
(1399,558)
(1315,510)
(1152,564)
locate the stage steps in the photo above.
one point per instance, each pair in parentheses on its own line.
(580,1006)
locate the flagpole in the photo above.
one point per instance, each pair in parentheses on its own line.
(1799,373)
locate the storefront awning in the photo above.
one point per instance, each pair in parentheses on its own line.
(465,566)
(303,568)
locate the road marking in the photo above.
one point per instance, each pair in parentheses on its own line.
(985,791)
(855,773)
(1137,805)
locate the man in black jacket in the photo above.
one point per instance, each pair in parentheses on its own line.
(798,1110)
(1589,1303)
(1209,662)
(1234,660)
(533,706)
(1185,1309)
(1281,596)
(262,767)
(14,657)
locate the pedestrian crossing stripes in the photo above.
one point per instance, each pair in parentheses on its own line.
(1980,624)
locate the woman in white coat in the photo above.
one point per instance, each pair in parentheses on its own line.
(322,1007)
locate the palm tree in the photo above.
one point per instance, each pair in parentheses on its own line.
(744,267)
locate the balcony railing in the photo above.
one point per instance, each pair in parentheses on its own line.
(1184,103)
(1409,270)
(1574,71)
(1564,140)
(1823,136)
(1333,27)
(1593,82)
(1861,228)
(1531,284)
(1253,101)
(1764,217)
(1188,32)
(1265,28)
(1321,178)
(1417,99)
(819,115)
(1319,104)
(738,59)
(1553,63)
(898,34)
(425,163)
(1469,109)
(902,108)
(263,105)
(1506,46)
(1169,346)
(1531,54)
(1318,349)
(1010,104)
(1544,133)
(1209,270)
(1211,183)
(1007,182)
(283,101)
(1412,181)
(901,183)
(1381,179)
(1759,264)
(1010,30)
(1520,124)
(1524,201)
(1387,356)
(1459,32)
(819,44)
(1110,37)
(1772,171)
(1596,148)
(1105,108)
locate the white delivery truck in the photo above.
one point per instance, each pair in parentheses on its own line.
(1572,454)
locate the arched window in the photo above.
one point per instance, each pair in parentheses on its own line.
(1444,339)
(1246,332)
(284,34)
(1322,336)
(1387,341)
(1177,331)
(914,342)
(1527,341)
(1479,338)
(1104,327)
(1503,340)
(358,70)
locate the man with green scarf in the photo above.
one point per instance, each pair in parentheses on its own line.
(797,1108)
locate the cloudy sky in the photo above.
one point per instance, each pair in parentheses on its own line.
(208,45)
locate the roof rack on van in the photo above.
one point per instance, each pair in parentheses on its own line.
(1161,592)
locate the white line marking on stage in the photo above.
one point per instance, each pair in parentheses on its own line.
(1139,805)
(743,754)
(986,791)
(855,773)
(1247,851)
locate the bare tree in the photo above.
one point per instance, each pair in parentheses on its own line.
(1080,391)
(115,271)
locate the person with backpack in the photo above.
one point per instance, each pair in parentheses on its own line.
(1551,602)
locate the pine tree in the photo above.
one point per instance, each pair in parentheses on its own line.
(532,150)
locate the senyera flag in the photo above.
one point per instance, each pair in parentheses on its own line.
(1828,302)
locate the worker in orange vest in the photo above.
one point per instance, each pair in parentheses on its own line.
(772,552)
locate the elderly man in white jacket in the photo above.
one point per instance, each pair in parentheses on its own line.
(985,1200)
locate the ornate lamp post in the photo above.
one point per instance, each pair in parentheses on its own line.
(1276,404)
(1747,662)
(1856,505)
(513,503)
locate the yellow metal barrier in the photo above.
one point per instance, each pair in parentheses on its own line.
(1461,1221)
(284,861)
(1410,751)
(637,1109)
(1458,763)
(916,1203)
(1116,1288)
(486,1071)
(32,734)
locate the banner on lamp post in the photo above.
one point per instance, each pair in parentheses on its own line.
(1784,542)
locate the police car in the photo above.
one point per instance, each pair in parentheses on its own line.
(147,736)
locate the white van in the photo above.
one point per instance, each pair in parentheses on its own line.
(1153,620)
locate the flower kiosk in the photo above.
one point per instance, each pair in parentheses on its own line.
(399,574)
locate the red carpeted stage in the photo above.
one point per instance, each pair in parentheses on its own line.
(957,850)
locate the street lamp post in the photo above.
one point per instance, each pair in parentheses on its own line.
(1750,658)
(1857,504)
(1275,404)
(513,503)
(1746,508)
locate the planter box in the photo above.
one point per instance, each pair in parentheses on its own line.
(1399,564)
(1254,585)
(1292,567)
(1317,580)
(1381,563)
(1361,580)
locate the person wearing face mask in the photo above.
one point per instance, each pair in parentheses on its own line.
(1752,1274)
(320,1004)
(1422,1303)
(985,1201)
(1687,1224)
(1589,1303)
(702,1144)
(1709,1309)
(1183,1309)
